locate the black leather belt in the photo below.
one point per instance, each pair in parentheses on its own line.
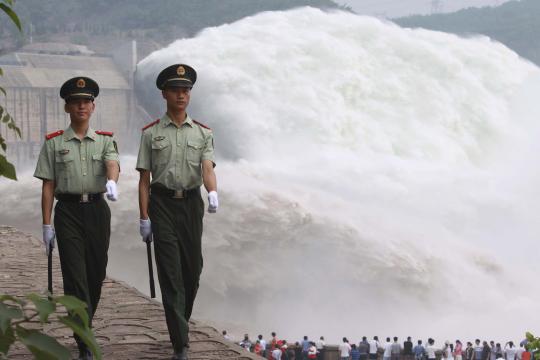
(80,198)
(174,194)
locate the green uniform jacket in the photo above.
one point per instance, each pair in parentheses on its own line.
(174,154)
(77,166)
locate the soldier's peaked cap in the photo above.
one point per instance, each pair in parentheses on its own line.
(80,87)
(177,75)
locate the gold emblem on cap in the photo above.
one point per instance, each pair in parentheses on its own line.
(180,71)
(81,83)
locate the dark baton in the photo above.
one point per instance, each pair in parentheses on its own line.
(150,266)
(49,271)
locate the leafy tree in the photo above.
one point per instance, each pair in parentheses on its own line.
(533,345)
(6,168)
(20,320)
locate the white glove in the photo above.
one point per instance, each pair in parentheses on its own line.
(213,202)
(145,230)
(112,190)
(48,238)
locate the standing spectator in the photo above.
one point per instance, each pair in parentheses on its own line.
(363,348)
(297,351)
(320,348)
(305,347)
(312,351)
(396,349)
(225,335)
(408,349)
(290,353)
(486,351)
(387,355)
(469,351)
(519,352)
(478,348)
(257,349)
(374,348)
(276,353)
(263,345)
(498,351)
(284,347)
(458,352)
(430,349)
(419,351)
(246,343)
(510,351)
(344,349)
(492,353)
(526,355)
(448,350)
(273,342)
(355,353)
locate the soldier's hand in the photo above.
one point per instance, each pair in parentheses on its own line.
(112,190)
(145,230)
(48,237)
(213,202)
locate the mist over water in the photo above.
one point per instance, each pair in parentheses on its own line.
(372,180)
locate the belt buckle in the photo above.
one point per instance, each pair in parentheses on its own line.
(178,194)
(84,198)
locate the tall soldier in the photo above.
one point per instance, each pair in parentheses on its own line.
(77,166)
(179,154)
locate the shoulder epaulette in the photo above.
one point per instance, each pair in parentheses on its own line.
(151,124)
(54,134)
(106,133)
(200,124)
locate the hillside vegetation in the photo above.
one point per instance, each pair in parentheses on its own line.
(515,24)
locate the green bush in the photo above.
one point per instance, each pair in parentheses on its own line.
(23,319)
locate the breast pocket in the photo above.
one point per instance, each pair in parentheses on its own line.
(98,165)
(161,151)
(64,166)
(194,151)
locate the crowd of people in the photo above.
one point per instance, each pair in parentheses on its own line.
(391,349)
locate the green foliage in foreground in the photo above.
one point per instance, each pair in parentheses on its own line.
(6,168)
(23,319)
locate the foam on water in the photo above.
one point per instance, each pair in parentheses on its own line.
(373,179)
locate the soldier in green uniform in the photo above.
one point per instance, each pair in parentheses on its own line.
(176,157)
(77,166)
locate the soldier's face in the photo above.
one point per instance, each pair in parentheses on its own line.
(177,97)
(80,109)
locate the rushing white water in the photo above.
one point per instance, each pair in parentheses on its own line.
(372,180)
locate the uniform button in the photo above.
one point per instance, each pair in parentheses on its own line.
(83,158)
(160,146)
(84,174)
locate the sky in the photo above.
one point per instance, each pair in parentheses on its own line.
(398,8)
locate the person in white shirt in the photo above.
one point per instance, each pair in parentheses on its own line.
(510,351)
(374,348)
(344,349)
(276,354)
(520,352)
(430,349)
(320,348)
(387,349)
(263,345)
(448,351)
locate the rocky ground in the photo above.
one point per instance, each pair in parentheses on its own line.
(127,325)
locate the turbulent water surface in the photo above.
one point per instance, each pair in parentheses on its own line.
(373,180)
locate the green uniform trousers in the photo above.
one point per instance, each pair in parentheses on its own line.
(177,228)
(83,231)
